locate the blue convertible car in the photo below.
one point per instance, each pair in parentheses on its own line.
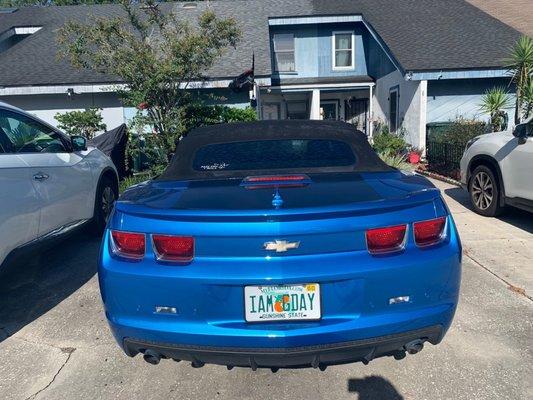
(279,244)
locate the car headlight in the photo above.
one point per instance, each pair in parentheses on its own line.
(471,142)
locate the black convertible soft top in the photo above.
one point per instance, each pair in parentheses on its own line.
(181,166)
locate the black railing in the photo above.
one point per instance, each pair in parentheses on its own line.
(444,156)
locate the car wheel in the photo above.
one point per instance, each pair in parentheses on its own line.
(484,192)
(106,196)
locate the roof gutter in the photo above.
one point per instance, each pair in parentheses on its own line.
(111,87)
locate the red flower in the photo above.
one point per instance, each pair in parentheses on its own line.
(143,106)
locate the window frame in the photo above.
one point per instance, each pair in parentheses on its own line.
(275,52)
(65,140)
(334,51)
(394,89)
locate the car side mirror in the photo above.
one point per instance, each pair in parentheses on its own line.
(79,143)
(520,132)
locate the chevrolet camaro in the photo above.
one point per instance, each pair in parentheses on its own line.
(279,244)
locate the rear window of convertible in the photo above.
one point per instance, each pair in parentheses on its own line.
(274,154)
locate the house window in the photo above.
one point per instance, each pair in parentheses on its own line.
(284,52)
(393,108)
(329,109)
(297,110)
(343,45)
(271,111)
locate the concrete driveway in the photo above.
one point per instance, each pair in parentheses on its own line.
(54,341)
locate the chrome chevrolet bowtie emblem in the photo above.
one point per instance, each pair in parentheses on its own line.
(281,246)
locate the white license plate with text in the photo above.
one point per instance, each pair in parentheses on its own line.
(282,303)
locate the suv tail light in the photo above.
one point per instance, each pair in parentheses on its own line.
(429,232)
(386,240)
(173,248)
(129,245)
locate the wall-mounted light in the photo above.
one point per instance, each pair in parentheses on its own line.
(70,93)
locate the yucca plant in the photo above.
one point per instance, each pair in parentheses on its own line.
(493,102)
(520,65)
(527,99)
(395,160)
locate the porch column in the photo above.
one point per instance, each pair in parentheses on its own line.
(315,104)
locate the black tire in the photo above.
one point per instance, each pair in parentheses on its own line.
(106,195)
(484,190)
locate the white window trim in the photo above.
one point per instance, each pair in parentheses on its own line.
(334,67)
(284,51)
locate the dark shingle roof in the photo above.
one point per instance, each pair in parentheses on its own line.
(422,35)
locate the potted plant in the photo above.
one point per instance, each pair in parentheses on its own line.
(414,155)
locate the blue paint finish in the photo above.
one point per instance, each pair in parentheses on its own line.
(313,51)
(324,53)
(450,99)
(459,74)
(355,286)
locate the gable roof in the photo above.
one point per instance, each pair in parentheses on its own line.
(421,35)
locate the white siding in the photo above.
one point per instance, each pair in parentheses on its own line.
(47,106)
(411,105)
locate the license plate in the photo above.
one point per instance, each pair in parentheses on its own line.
(282,303)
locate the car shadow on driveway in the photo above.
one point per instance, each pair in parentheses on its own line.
(514,216)
(373,387)
(31,287)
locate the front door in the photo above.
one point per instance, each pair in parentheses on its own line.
(356,113)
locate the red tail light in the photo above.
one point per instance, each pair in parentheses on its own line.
(429,232)
(269,181)
(128,244)
(173,248)
(386,240)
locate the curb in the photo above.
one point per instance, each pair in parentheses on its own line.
(439,177)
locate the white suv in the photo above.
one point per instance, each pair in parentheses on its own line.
(497,170)
(50,183)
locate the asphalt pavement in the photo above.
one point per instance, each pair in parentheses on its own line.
(55,343)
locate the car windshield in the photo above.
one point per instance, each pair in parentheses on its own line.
(273,154)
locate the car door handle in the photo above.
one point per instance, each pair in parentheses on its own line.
(41,176)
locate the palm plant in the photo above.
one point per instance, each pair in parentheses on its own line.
(493,102)
(520,65)
(527,105)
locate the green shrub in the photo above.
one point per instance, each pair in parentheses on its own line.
(85,123)
(459,132)
(386,141)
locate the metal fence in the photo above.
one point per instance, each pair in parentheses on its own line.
(444,156)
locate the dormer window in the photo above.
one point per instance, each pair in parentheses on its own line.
(284,52)
(343,46)
(16,34)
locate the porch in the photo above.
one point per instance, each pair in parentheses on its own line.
(343,101)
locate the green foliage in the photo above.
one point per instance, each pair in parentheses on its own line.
(520,65)
(85,123)
(460,131)
(134,180)
(157,55)
(387,142)
(493,102)
(395,160)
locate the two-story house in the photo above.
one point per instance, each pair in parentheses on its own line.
(396,62)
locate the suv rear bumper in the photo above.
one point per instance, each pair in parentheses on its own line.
(317,356)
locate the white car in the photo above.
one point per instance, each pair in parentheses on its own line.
(497,170)
(50,183)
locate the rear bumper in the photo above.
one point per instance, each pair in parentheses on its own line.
(317,356)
